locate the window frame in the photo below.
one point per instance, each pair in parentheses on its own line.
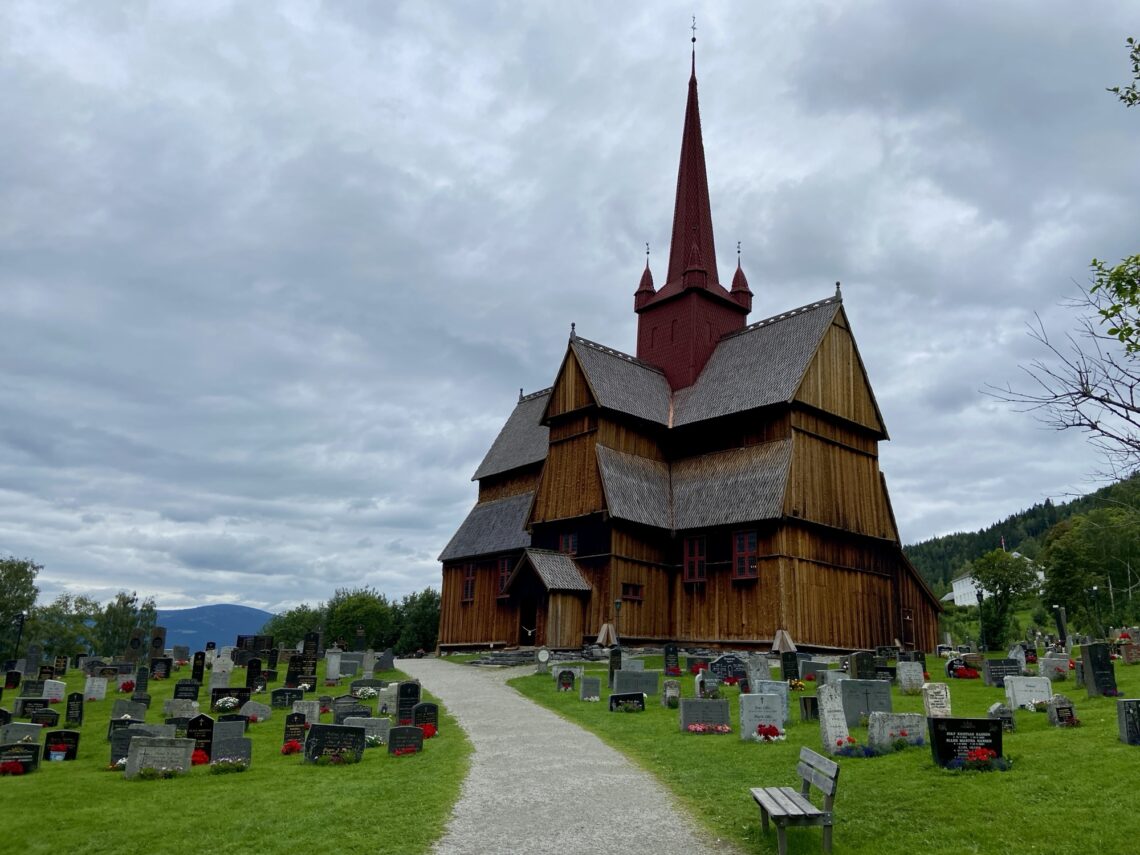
(634,591)
(694,564)
(742,554)
(467,594)
(504,575)
(568,543)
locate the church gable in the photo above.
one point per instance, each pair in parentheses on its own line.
(571,391)
(836,381)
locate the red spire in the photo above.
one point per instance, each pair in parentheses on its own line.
(741,293)
(644,290)
(692,217)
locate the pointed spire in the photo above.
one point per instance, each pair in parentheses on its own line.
(741,293)
(692,217)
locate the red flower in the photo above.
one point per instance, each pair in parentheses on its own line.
(291,747)
(1072,665)
(926,675)
(850,740)
(399,752)
(810,678)
(199,758)
(405,721)
(698,668)
(54,700)
(253,719)
(839,742)
(128,686)
(981,755)
(307,725)
(325,710)
(902,733)
(429,730)
(12,767)
(731,681)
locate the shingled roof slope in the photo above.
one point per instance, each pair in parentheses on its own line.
(523,439)
(760,365)
(636,488)
(723,488)
(728,487)
(496,526)
(623,383)
(556,570)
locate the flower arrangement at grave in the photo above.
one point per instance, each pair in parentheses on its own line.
(54,700)
(118,766)
(1035,705)
(178,663)
(926,675)
(11,767)
(673,671)
(1072,722)
(768,733)
(1113,693)
(966,673)
(400,752)
(709,728)
(592,699)
(228,765)
(850,747)
(325,710)
(1072,665)
(810,677)
(629,706)
(253,719)
(291,746)
(698,668)
(340,758)
(57,751)
(365,693)
(981,760)
(429,730)
(901,741)
(199,757)
(730,680)
(404,722)
(228,704)
(305,687)
(795,684)
(157,773)
(128,686)
(371,742)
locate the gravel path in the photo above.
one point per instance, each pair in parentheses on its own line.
(539,784)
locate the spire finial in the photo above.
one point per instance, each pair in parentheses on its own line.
(694,29)
(647,253)
(738,253)
(520,393)
(572,333)
(838,293)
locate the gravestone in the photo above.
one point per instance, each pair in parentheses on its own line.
(861,665)
(936,700)
(19,731)
(181,652)
(386,661)
(627,700)
(994,671)
(1053,668)
(256,710)
(198,668)
(614,666)
(832,677)
(180,708)
(407,696)
(158,753)
(12,679)
(141,698)
(810,668)
(671,689)
(376,728)
(405,739)
(252,673)
(32,689)
(692,662)
(117,724)
(5,717)
(954,738)
(1128,720)
(636,681)
(833,731)
(74,713)
(179,723)
(884,729)
(332,664)
(27,754)
(45,717)
(311,710)
(565,680)
(128,708)
(729,665)
(28,707)
(702,711)
(1079,672)
(367,664)
(327,740)
(68,738)
(761,709)
(1061,711)
(55,690)
(157,640)
(219,680)
(809,708)
(1130,653)
(672,660)
(789,666)
(863,697)
(1004,714)
(589,687)
(283,699)
(32,659)
(186,690)
(910,677)
(294,671)
(706,684)
(353,710)
(1020,691)
(232,728)
(366,683)
(1100,677)
(200,730)
(1017,654)
(295,727)
(233,749)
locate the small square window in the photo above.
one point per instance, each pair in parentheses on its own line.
(568,543)
(632,591)
(744,555)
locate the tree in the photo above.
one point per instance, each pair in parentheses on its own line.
(290,626)
(114,623)
(1006,578)
(419,622)
(66,626)
(18,594)
(364,607)
(1091,381)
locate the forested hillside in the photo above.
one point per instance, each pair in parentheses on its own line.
(940,559)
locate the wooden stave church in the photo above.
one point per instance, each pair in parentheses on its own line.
(717,503)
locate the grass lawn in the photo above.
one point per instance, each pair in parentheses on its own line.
(281,804)
(1071,790)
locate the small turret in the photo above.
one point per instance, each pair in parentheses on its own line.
(740,292)
(644,292)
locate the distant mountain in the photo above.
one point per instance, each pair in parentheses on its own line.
(221,624)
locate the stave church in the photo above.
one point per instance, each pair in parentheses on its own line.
(717,486)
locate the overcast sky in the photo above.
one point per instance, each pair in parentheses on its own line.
(272,274)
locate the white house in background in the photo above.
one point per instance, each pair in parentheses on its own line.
(965,590)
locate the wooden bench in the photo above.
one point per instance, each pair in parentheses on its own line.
(786,807)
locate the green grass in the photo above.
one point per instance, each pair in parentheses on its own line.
(281,804)
(1071,790)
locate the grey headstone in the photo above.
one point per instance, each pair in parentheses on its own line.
(375,727)
(761,709)
(1128,720)
(255,708)
(590,687)
(832,677)
(1053,668)
(670,689)
(863,697)
(936,700)
(228,730)
(832,720)
(812,667)
(159,753)
(95,687)
(1004,714)
(177,708)
(311,710)
(884,729)
(232,748)
(773,687)
(128,708)
(642,681)
(702,711)
(1061,710)
(909,676)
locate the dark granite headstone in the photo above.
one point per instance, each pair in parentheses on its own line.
(187,690)
(284,698)
(994,671)
(425,713)
(407,696)
(1100,678)
(1128,720)
(294,727)
(627,700)
(201,730)
(294,670)
(60,666)
(32,689)
(615,664)
(117,724)
(198,669)
(809,708)
(12,679)
(157,641)
(46,717)
(28,707)
(565,680)
(74,709)
(27,754)
(729,665)
(216,695)
(862,666)
(952,738)
(161,667)
(180,724)
(326,740)
(5,717)
(789,666)
(142,679)
(404,739)
(232,748)
(589,687)
(353,710)
(47,672)
(56,738)
(386,661)
(702,711)
(672,660)
(252,673)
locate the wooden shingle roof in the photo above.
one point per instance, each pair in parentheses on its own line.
(523,439)
(622,382)
(496,526)
(724,488)
(556,570)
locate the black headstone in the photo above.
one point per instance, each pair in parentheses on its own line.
(340,713)
(46,717)
(326,740)
(627,701)
(789,666)
(161,667)
(729,665)
(565,681)
(615,663)
(407,696)
(67,739)
(1100,678)
(27,754)
(294,671)
(425,713)
(952,738)
(294,727)
(672,660)
(282,699)
(74,715)
(995,671)
(181,723)
(252,673)
(862,665)
(201,730)
(187,690)
(216,695)
(12,679)
(1128,720)
(405,740)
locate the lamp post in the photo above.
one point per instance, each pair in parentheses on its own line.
(981,627)
(617,615)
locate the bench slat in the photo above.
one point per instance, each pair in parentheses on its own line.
(784,802)
(817,761)
(825,784)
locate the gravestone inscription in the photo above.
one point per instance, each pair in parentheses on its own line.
(936,700)
(955,738)
(74,715)
(67,739)
(294,727)
(627,701)
(329,740)
(158,753)
(760,709)
(703,712)
(994,671)
(863,697)
(405,739)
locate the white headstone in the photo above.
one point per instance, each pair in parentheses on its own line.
(761,709)
(773,687)
(832,722)
(909,675)
(310,709)
(95,687)
(332,664)
(936,700)
(56,689)
(1020,691)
